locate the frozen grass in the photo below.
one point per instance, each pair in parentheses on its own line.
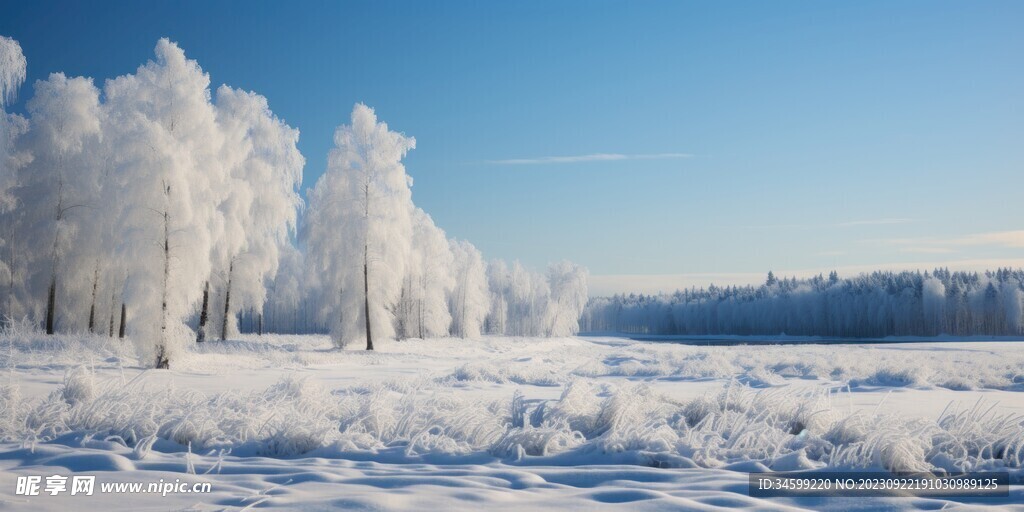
(589,423)
(457,401)
(23,346)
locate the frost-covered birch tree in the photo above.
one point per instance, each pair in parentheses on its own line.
(359,229)
(498,277)
(528,302)
(12,75)
(287,293)
(57,193)
(568,284)
(519,300)
(12,126)
(12,69)
(258,209)
(469,300)
(423,308)
(150,205)
(167,180)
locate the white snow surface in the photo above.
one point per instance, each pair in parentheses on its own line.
(501,423)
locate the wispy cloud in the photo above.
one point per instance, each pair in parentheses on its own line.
(1003,239)
(847,224)
(874,222)
(594,157)
(926,250)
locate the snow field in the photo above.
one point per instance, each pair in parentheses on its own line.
(503,403)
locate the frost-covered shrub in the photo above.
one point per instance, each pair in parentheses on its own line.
(519,373)
(895,376)
(79,386)
(763,377)
(578,407)
(11,424)
(888,445)
(541,441)
(849,430)
(634,418)
(981,433)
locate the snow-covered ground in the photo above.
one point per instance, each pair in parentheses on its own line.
(501,423)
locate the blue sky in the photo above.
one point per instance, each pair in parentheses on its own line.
(695,141)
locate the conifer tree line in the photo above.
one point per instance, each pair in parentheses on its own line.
(160,211)
(869,305)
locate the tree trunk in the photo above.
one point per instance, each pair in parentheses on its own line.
(162,361)
(204,314)
(259,324)
(366,298)
(124,321)
(366,264)
(51,295)
(419,310)
(51,303)
(227,303)
(113,308)
(9,309)
(92,307)
(462,321)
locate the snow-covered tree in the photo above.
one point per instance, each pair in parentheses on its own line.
(287,294)
(522,303)
(359,229)
(12,69)
(869,305)
(259,207)
(933,299)
(12,126)
(528,306)
(568,284)
(423,307)
(469,300)
(166,180)
(57,192)
(1013,308)
(498,284)
(149,206)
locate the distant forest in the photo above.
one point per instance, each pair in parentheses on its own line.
(868,305)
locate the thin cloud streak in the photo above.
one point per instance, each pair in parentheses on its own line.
(848,224)
(874,222)
(1004,239)
(595,157)
(926,250)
